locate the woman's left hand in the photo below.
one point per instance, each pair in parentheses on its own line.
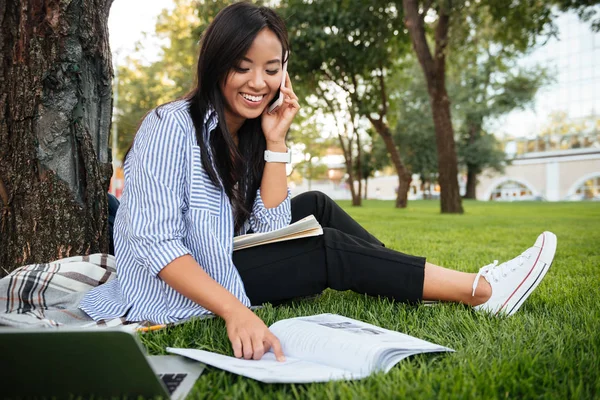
(276,125)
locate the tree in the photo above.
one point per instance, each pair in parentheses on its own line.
(522,23)
(434,69)
(331,45)
(485,82)
(55,112)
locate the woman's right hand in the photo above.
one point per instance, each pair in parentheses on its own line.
(250,337)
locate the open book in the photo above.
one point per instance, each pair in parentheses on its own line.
(322,348)
(305,227)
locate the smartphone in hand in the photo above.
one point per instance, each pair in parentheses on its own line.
(278,100)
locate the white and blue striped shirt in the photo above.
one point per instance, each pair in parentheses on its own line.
(170,208)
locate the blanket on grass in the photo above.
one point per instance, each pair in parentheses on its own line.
(48,295)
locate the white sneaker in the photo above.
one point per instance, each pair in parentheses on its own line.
(513,281)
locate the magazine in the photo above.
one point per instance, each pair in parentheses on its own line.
(305,227)
(322,348)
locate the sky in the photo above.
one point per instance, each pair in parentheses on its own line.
(129,19)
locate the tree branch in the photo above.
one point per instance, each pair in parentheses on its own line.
(416,27)
(441,40)
(383,92)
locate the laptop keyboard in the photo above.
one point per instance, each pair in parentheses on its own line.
(172,381)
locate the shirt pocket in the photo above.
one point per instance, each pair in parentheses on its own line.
(204,195)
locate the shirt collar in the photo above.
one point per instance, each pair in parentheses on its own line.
(211,119)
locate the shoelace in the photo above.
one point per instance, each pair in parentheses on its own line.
(499,271)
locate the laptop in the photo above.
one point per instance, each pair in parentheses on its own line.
(92,362)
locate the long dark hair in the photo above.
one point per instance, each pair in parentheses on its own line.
(224,43)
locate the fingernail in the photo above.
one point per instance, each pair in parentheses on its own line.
(281,359)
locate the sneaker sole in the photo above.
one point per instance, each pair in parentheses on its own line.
(534,277)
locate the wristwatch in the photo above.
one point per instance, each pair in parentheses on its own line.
(272,156)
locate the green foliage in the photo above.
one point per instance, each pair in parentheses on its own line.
(329,43)
(374,157)
(485,81)
(481,153)
(331,46)
(143,86)
(549,349)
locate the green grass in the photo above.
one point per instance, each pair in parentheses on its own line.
(549,349)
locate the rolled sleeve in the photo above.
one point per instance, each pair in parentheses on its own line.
(155,186)
(264,219)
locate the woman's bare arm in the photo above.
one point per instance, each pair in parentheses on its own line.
(248,334)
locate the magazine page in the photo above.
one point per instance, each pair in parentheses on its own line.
(326,346)
(347,343)
(386,347)
(305,227)
(322,348)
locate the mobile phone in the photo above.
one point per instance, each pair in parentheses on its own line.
(278,100)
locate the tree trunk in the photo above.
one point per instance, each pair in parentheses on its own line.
(434,69)
(356,199)
(471,182)
(366,187)
(474,131)
(403,174)
(358,170)
(446,151)
(55,114)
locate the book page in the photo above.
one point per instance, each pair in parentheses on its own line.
(268,369)
(305,227)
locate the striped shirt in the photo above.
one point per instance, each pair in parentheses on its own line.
(170,208)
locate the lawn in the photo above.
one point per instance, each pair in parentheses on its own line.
(549,349)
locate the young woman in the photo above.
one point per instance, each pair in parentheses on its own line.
(197,175)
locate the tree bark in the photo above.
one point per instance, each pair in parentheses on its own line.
(472,170)
(358,170)
(450,200)
(434,70)
(55,114)
(471,182)
(349,160)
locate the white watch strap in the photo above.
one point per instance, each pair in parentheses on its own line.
(272,156)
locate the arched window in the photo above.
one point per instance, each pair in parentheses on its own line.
(511,191)
(588,190)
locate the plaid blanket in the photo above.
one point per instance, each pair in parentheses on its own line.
(48,295)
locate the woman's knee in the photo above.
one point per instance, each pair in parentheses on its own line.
(315,196)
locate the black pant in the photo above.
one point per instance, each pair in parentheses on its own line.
(345,257)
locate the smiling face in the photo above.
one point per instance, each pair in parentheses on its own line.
(250,87)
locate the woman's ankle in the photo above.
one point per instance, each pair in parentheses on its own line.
(483,292)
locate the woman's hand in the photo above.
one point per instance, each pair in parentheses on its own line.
(249,335)
(276,125)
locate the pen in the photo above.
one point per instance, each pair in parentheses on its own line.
(151,328)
